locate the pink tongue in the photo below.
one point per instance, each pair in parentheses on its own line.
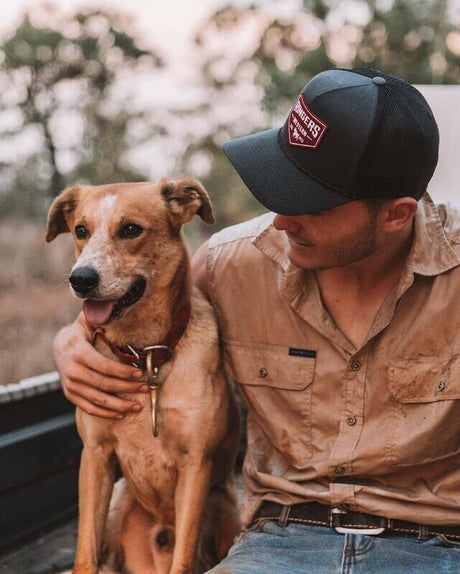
(97,312)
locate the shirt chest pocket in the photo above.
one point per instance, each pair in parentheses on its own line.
(426,409)
(277,389)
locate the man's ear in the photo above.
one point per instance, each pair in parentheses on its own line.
(185,197)
(399,213)
(59,212)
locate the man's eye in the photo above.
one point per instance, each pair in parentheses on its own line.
(81,232)
(130,231)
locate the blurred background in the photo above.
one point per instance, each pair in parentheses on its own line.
(97,92)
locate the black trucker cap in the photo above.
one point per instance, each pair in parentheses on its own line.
(351,134)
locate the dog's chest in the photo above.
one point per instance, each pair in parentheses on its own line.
(150,463)
(148,467)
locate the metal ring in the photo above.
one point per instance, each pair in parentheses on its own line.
(153,347)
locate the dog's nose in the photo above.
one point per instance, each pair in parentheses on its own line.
(84,279)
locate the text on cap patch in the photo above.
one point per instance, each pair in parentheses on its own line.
(304,128)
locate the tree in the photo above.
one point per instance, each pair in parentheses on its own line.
(60,102)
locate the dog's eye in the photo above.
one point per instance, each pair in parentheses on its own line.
(130,230)
(81,232)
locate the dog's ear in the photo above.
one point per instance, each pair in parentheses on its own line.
(59,212)
(185,197)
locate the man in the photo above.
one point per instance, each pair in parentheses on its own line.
(339,321)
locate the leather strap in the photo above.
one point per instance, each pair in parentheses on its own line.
(316,514)
(161,352)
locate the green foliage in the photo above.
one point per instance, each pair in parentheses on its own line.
(51,74)
(406,39)
(403,37)
(409,40)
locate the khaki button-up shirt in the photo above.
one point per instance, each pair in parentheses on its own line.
(376,428)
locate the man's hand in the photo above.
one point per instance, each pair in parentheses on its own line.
(88,378)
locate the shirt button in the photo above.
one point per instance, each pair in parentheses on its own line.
(339,470)
(351,420)
(263,372)
(441,385)
(355,366)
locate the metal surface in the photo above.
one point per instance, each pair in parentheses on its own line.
(39,458)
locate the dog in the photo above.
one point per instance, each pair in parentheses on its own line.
(175,508)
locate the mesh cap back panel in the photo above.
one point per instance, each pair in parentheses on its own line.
(402,150)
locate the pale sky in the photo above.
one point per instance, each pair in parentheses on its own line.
(168,23)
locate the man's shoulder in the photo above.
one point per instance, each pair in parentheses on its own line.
(247,230)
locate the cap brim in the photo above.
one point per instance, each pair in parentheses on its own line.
(276,181)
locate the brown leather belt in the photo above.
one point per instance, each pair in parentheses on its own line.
(315,514)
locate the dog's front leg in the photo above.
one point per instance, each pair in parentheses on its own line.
(97,474)
(191,492)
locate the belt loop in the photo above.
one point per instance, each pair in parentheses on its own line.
(423,533)
(255,526)
(335,516)
(284,515)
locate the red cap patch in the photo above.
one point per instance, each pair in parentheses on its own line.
(304,128)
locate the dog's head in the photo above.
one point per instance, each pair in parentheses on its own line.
(127,238)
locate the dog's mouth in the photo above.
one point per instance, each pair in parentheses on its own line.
(98,312)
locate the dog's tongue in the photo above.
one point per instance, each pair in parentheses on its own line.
(97,312)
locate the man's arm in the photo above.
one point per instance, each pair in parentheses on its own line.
(89,379)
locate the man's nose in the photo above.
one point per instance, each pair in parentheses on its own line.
(285,222)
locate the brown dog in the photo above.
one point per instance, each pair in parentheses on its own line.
(175,509)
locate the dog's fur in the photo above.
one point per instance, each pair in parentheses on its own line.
(175,509)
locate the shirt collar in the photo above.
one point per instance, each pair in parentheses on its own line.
(274,244)
(432,252)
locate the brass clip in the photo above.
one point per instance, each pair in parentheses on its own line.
(154,385)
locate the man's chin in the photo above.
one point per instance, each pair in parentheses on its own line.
(307,263)
(299,261)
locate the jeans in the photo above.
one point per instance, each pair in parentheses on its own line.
(295,549)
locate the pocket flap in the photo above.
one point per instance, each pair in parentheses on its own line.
(269,366)
(425,379)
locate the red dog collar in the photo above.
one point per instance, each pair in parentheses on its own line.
(161,353)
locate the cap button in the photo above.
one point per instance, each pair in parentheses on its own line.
(379,81)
